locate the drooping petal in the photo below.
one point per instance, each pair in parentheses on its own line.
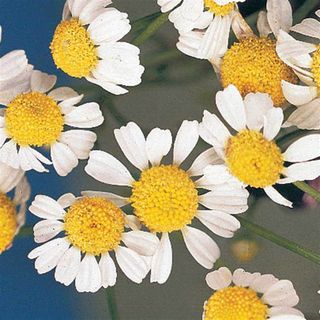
(42,82)
(108,271)
(275,196)
(298,95)
(272,123)
(144,243)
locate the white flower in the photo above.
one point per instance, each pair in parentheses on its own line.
(35,117)
(94,51)
(165,198)
(12,211)
(92,227)
(304,58)
(251,156)
(251,295)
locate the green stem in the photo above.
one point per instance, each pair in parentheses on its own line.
(151,29)
(25,232)
(314,193)
(280,241)
(304,10)
(112,303)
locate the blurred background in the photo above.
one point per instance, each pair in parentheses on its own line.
(174,88)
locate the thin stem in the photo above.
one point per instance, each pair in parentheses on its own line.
(112,303)
(314,193)
(25,232)
(304,10)
(280,241)
(151,29)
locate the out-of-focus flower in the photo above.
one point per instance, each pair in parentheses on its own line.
(12,211)
(308,200)
(251,156)
(86,44)
(165,198)
(35,117)
(93,226)
(304,58)
(245,295)
(245,250)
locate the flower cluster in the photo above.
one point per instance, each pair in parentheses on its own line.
(81,236)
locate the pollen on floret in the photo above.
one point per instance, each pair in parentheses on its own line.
(94,225)
(252,65)
(253,159)
(73,50)
(315,68)
(8,222)
(219,10)
(235,303)
(165,199)
(33,119)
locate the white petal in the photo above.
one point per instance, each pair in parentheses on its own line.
(168,5)
(244,279)
(107,85)
(46,230)
(309,27)
(303,171)
(42,82)
(219,279)
(275,196)
(221,223)
(116,199)
(107,169)
(108,271)
(281,294)
(92,10)
(214,175)
(133,144)
(131,263)
(231,107)
(9,177)
(287,317)
(68,266)
(46,208)
(63,158)
(12,64)
(66,200)
(66,105)
(9,154)
(158,145)
(272,123)
(285,313)
(28,160)
(132,222)
(144,243)
(263,283)
(162,261)
(62,93)
(204,250)
(263,24)
(88,278)
(279,15)
(298,95)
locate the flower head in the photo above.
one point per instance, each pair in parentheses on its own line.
(244,295)
(93,226)
(35,116)
(86,44)
(166,197)
(252,156)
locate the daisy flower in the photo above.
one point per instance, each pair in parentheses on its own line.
(35,117)
(12,211)
(245,295)
(86,45)
(93,226)
(165,197)
(304,58)
(252,64)
(252,156)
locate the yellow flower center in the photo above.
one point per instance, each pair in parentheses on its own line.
(253,65)
(8,222)
(165,199)
(73,50)
(316,66)
(33,119)
(94,225)
(253,159)
(217,9)
(235,303)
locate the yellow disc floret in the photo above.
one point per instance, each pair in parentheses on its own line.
(8,222)
(253,159)
(33,119)
(316,66)
(94,225)
(165,199)
(235,303)
(253,65)
(73,50)
(217,9)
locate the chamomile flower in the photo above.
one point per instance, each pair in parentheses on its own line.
(252,156)
(165,198)
(35,117)
(93,226)
(252,64)
(244,295)
(304,58)
(86,45)
(12,211)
